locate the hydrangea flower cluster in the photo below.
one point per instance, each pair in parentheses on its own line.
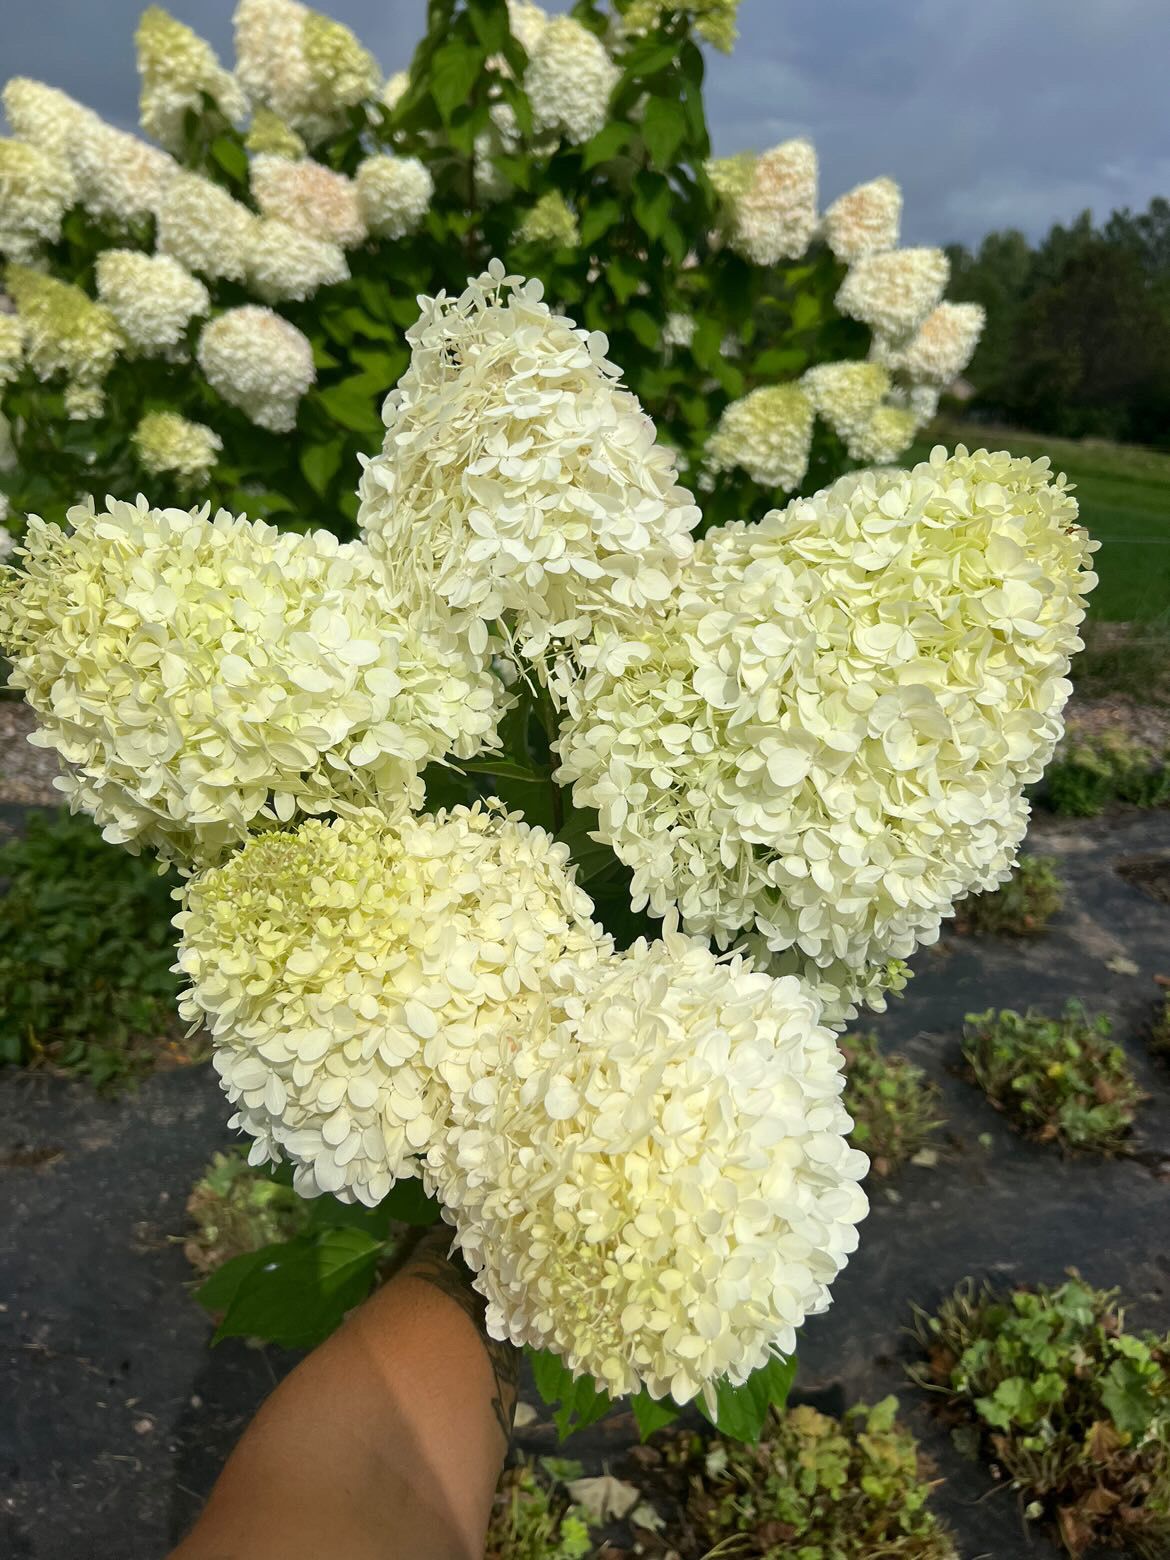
(206,678)
(393,194)
(121,179)
(657,1184)
(43,116)
(894,291)
(269,136)
(169,445)
(517,474)
(829,740)
(286,265)
(714,19)
(847,396)
(770,201)
(864,221)
(769,433)
(176,68)
(569,80)
(305,67)
(258,362)
(309,197)
(201,226)
(356,975)
(551,223)
(940,348)
(64,333)
(36,190)
(151,297)
(11,349)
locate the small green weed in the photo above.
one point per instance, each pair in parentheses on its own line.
(1097,770)
(236,1208)
(893,1104)
(1021,907)
(1059,1079)
(530,1521)
(817,1488)
(1159,1032)
(86,949)
(1074,1409)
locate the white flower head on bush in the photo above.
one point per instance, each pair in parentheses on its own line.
(768,433)
(395,87)
(942,346)
(714,19)
(357,976)
(893,292)
(830,739)
(309,197)
(44,116)
(176,68)
(526,21)
(887,433)
(121,178)
(269,136)
(846,395)
(36,190)
(65,331)
(678,330)
(657,1186)
(306,67)
(286,265)
(394,194)
(258,362)
(169,445)
(771,201)
(201,226)
(519,476)
(152,298)
(865,220)
(569,80)
(204,679)
(550,222)
(11,349)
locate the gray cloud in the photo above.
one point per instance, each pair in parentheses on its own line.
(1004,112)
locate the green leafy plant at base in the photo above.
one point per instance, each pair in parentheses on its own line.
(893,1104)
(236,1209)
(1074,1409)
(818,1488)
(1060,1080)
(86,950)
(1110,767)
(1159,1034)
(1020,907)
(530,1521)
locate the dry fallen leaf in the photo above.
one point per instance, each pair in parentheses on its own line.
(1120,965)
(604,1498)
(525,1415)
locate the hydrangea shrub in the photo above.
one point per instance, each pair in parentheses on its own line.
(250,268)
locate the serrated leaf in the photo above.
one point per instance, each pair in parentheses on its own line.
(664,128)
(606,144)
(298,1292)
(320,464)
(652,1413)
(581,1402)
(454,71)
(742,1412)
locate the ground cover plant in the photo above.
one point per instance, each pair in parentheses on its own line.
(86,979)
(1098,769)
(1060,1080)
(895,1107)
(235,1209)
(533,1520)
(1021,907)
(1071,1406)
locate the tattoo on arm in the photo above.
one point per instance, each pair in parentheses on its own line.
(432,1261)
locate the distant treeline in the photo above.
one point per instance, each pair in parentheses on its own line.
(1078,328)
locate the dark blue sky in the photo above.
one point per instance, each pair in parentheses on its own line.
(990,113)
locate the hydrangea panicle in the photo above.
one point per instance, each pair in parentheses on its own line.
(768,433)
(259,362)
(569,80)
(893,292)
(770,201)
(864,221)
(152,297)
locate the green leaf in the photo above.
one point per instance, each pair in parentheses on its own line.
(582,1402)
(742,1412)
(320,464)
(504,769)
(651,1414)
(598,219)
(643,326)
(409,1204)
(297,1293)
(490,20)
(806,311)
(664,128)
(217,1292)
(231,157)
(651,203)
(780,362)
(454,71)
(605,145)
(354,402)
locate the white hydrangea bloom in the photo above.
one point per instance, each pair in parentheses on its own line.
(169,445)
(893,292)
(11,347)
(203,679)
(865,220)
(121,178)
(45,116)
(394,194)
(527,22)
(678,330)
(569,80)
(36,190)
(657,1185)
(771,201)
(942,346)
(286,265)
(7,544)
(768,433)
(846,395)
(64,332)
(8,455)
(307,68)
(269,136)
(885,435)
(830,738)
(519,476)
(551,222)
(309,197)
(83,401)
(395,88)
(259,362)
(152,297)
(201,226)
(176,67)
(356,976)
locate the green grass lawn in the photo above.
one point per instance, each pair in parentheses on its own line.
(1124,494)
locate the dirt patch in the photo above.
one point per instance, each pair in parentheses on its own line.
(1151,874)
(26,772)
